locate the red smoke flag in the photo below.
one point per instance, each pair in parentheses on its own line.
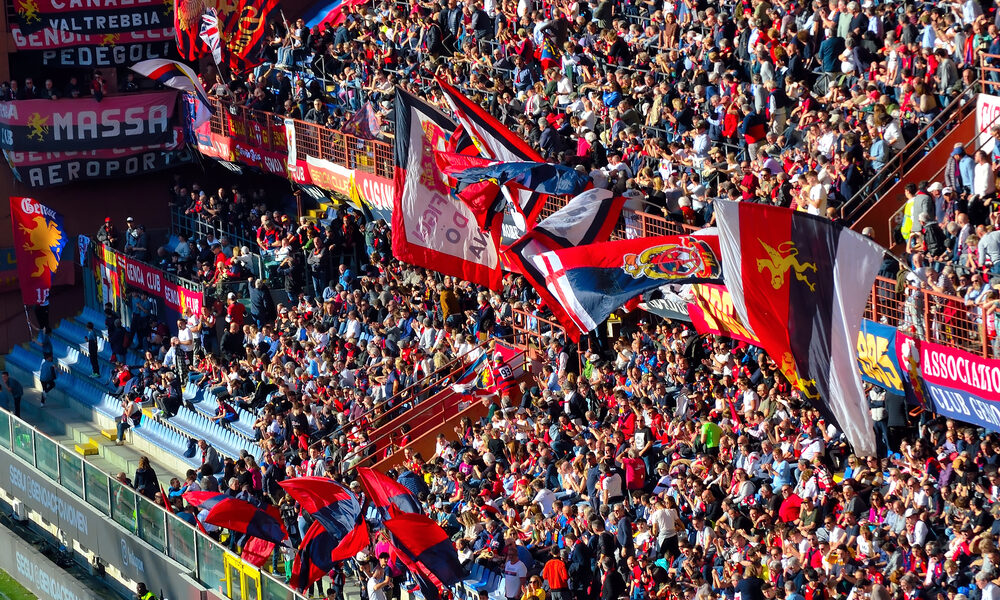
(795,280)
(39,238)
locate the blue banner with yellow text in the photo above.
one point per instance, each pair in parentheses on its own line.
(877,358)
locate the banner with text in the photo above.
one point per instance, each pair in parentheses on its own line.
(154,281)
(958,384)
(987,116)
(56,48)
(877,358)
(86,17)
(82,124)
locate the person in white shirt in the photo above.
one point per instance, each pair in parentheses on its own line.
(377,584)
(514,575)
(983,181)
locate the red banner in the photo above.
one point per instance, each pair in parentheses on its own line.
(712,312)
(153,281)
(246,32)
(39,238)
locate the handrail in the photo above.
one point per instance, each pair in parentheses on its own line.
(449,369)
(896,218)
(418,416)
(897,165)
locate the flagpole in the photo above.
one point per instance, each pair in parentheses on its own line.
(27,320)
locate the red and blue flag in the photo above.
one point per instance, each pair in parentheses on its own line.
(204,500)
(239,515)
(425,548)
(327,501)
(386,493)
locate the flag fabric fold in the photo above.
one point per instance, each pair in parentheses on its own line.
(590,282)
(39,238)
(256,551)
(204,500)
(495,141)
(180,77)
(239,515)
(385,492)
(588,218)
(424,543)
(245,33)
(327,501)
(332,13)
(208,33)
(431,227)
(783,266)
(363,124)
(540,177)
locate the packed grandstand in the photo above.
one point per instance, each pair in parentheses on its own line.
(572,300)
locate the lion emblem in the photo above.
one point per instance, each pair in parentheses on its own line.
(45,238)
(691,258)
(28,10)
(39,127)
(783,259)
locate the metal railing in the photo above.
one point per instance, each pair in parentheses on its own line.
(897,166)
(167,534)
(268,130)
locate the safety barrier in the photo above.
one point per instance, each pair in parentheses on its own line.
(65,488)
(269,132)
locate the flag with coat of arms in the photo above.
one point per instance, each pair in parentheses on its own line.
(39,238)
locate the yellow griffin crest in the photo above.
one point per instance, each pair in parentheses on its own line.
(43,237)
(39,127)
(110,39)
(806,386)
(783,259)
(28,10)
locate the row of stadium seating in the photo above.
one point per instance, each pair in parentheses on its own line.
(173,435)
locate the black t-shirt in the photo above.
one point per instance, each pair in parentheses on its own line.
(749,589)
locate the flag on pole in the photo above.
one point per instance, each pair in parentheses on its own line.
(39,238)
(327,501)
(209,34)
(430,227)
(178,76)
(800,270)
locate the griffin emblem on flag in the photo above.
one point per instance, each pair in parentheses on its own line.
(781,260)
(806,386)
(689,258)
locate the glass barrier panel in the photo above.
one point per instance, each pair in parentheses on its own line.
(152,528)
(71,471)
(180,542)
(123,506)
(47,456)
(271,588)
(96,486)
(5,430)
(211,571)
(24,442)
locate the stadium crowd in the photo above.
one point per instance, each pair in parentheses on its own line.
(658,463)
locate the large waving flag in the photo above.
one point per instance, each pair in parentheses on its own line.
(386,493)
(783,266)
(39,238)
(245,33)
(495,141)
(430,227)
(187,24)
(586,219)
(425,549)
(239,515)
(178,76)
(327,501)
(590,282)
(320,549)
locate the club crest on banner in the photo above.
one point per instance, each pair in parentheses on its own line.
(689,258)
(39,127)
(781,260)
(28,11)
